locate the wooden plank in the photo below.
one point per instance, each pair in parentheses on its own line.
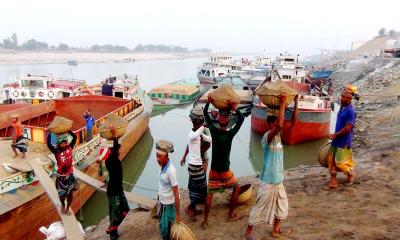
(71,226)
(141,201)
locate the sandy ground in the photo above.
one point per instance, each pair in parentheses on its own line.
(369,209)
(9,57)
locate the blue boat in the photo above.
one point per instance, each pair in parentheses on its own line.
(321,74)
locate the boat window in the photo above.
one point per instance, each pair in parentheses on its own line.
(119,94)
(32,83)
(208,73)
(286,76)
(289,59)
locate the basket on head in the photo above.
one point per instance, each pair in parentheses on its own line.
(269,93)
(245,193)
(117,122)
(179,231)
(323,154)
(60,125)
(222,95)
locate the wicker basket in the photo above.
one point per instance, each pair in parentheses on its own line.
(222,95)
(118,122)
(221,104)
(273,100)
(269,93)
(245,193)
(323,154)
(179,231)
(60,125)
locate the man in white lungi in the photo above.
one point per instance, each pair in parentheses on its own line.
(272,203)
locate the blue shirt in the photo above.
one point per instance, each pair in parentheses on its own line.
(272,171)
(89,122)
(346,115)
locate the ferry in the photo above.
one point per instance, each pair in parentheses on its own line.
(36,89)
(289,68)
(24,205)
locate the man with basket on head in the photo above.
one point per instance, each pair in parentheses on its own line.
(196,150)
(222,133)
(66,182)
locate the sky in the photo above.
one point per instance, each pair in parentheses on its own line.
(250,26)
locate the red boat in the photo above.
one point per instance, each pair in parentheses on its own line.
(312,123)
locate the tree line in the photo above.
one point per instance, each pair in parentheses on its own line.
(11,43)
(391,33)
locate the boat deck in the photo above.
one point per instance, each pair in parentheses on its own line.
(35,150)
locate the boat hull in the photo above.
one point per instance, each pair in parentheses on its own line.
(311,125)
(24,221)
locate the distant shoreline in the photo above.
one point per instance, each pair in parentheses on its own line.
(50,57)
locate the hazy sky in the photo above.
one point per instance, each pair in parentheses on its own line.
(299,26)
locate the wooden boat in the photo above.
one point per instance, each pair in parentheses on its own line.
(313,117)
(170,96)
(24,206)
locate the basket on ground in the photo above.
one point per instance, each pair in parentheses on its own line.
(222,96)
(323,154)
(60,125)
(269,93)
(117,122)
(179,231)
(245,193)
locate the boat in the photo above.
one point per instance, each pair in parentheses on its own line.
(24,205)
(313,117)
(172,95)
(72,62)
(289,68)
(36,89)
(321,74)
(124,86)
(126,60)
(217,65)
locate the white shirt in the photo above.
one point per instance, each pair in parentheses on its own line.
(167,180)
(194,143)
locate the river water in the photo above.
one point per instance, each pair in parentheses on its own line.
(140,166)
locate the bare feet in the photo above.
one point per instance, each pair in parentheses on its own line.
(280,233)
(350,178)
(204,225)
(235,217)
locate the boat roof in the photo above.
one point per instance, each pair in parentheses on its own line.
(68,83)
(11,107)
(175,89)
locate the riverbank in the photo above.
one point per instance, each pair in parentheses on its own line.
(18,57)
(369,209)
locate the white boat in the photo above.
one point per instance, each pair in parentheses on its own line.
(124,86)
(216,66)
(35,89)
(289,68)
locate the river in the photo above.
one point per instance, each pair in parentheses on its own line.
(140,166)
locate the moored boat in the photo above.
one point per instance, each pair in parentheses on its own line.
(25,206)
(217,65)
(169,96)
(35,89)
(313,120)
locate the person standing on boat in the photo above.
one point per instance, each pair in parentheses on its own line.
(198,144)
(66,182)
(89,125)
(220,176)
(272,203)
(168,192)
(118,206)
(19,141)
(340,156)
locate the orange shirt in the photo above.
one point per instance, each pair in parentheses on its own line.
(17,129)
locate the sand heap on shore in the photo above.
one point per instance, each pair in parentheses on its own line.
(369,209)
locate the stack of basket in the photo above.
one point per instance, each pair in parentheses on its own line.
(179,231)
(117,122)
(223,97)
(269,94)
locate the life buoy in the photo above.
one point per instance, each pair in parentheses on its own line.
(50,94)
(126,88)
(23,93)
(41,94)
(16,93)
(125,94)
